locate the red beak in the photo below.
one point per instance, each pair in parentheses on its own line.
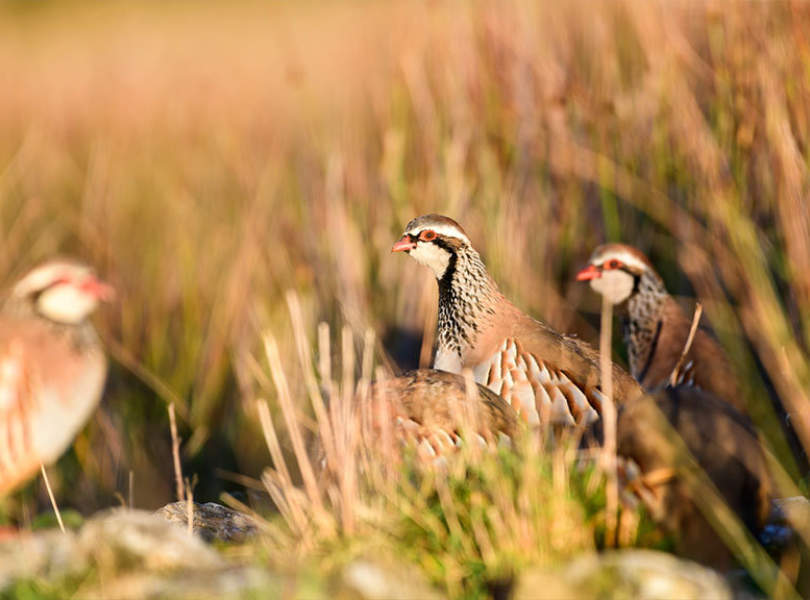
(588,273)
(404,244)
(103,291)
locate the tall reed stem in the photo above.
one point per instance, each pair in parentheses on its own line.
(608,423)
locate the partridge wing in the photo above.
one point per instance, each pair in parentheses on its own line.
(18,457)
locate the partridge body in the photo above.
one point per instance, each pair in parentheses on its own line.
(52,367)
(722,442)
(548,378)
(656,328)
(425,408)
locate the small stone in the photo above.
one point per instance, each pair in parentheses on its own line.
(212,521)
(637,574)
(121,537)
(135,554)
(374,580)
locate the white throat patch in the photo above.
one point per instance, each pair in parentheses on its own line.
(432,256)
(65,303)
(616,285)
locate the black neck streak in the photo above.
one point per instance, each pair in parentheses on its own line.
(644,309)
(465,299)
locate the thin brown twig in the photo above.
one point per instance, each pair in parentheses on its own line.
(673,378)
(178,473)
(50,495)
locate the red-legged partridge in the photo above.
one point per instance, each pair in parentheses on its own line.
(656,327)
(52,367)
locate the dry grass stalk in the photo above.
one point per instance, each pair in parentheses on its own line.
(51,497)
(470,420)
(325,372)
(608,422)
(278,482)
(673,378)
(349,435)
(366,363)
(189,507)
(271,440)
(291,420)
(305,361)
(366,496)
(178,473)
(380,414)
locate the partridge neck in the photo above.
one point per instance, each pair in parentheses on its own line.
(645,312)
(81,335)
(467,301)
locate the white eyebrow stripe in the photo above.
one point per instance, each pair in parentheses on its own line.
(441,229)
(622,255)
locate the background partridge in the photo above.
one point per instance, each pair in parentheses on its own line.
(52,367)
(656,327)
(722,442)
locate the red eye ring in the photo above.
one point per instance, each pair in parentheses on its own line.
(428,235)
(614,264)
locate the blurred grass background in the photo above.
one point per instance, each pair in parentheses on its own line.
(206,157)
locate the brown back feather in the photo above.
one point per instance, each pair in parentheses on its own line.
(711,370)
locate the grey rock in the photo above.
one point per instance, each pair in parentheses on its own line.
(112,539)
(136,538)
(212,521)
(50,554)
(636,574)
(129,554)
(235,583)
(367,579)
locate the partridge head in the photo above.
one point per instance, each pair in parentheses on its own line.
(616,270)
(656,328)
(52,368)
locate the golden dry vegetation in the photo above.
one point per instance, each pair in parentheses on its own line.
(208,157)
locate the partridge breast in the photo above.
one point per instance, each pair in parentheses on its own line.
(48,389)
(538,391)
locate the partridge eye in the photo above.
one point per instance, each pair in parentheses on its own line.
(614,264)
(428,235)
